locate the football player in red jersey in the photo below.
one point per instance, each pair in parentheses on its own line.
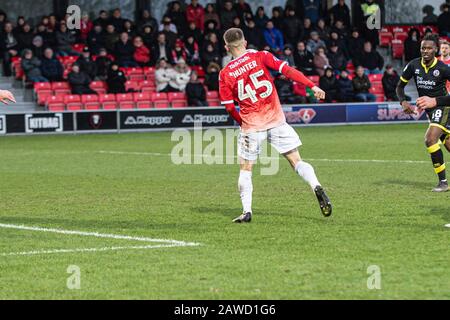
(6,97)
(247,80)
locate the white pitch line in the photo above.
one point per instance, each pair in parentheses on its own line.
(151,154)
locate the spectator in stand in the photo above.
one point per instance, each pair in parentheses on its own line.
(211,15)
(345,87)
(129,28)
(315,42)
(254,36)
(288,55)
(195,92)
(51,68)
(147,19)
(53,22)
(355,44)
(286,91)
(41,30)
(304,60)
(37,46)
(147,35)
(214,41)
(102,19)
(25,36)
(195,32)
(192,51)
(164,75)
(103,63)
(361,86)
(95,39)
(340,11)
(336,57)
(390,80)
(370,59)
(87,65)
(117,21)
(323,30)
(64,41)
(141,52)
(329,84)
(321,61)
(80,81)
(227,15)
(86,27)
(412,45)
(209,55)
(169,30)
(196,14)
(274,37)
(293,27)
(277,18)
(9,47)
(167,25)
(179,52)
(31,67)
(124,51)
(19,25)
(430,18)
(111,38)
(2,20)
(443,21)
(177,16)
(237,23)
(308,28)
(312,10)
(211,27)
(116,79)
(161,50)
(261,18)
(341,29)
(340,42)
(243,9)
(212,76)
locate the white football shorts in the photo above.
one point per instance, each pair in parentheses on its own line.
(283,138)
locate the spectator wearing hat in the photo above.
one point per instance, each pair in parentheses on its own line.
(212,76)
(304,60)
(51,68)
(361,86)
(141,52)
(288,55)
(95,39)
(195,92)
(274,37)
(115,79)
(124,51)
(336,57)
(195,13)
(329,84)
(179,51)
(79,81)
(103,63)
(334,37)
(147,35)
(164,75)
(321,61)
(31,67)
(345,87)
(87,65)
(37,46)
(315,42)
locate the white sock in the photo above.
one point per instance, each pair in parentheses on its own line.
(246,189)
(306,171)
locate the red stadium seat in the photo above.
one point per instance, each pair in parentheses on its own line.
(132,85)
(73,102)
(149,90)
(160,100)
(90,102)
(212,94)
(42,97)
(212,102)
(375,77)
(125,100)
(55,103)
(143,100)
(61,88)
(41,86)
(179,103)
(397,49)
(98,86)
(376,90)
(379,98)
(108,101)
(78,47)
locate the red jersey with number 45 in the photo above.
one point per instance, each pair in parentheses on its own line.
(247,81)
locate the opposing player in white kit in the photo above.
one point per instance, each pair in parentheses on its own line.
(247,80)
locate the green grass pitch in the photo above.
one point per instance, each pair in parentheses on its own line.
(384,215)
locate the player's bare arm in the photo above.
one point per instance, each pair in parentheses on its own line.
(6,97)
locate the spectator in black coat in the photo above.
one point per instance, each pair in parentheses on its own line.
(286,91)
(227,15)
(147,19)
(329,84)
(336,57)
(390,80)
(116,79)
(195,32)
(177,16)
(103,63)
(51,68)
(31,67)
(355,44)
(443,21)
(79,81)
(254,36)
(370,59)
(345,86)
(361,86)
(87,65)
(304,60)
(209,55)
(38,47)
(148,36)
(102,19)
(195,92)
(25,36)
(161,50)
(124,51)
(111,38)
(117,21)
(9,47)
(96,39)
(212,76)
(340,12)
(64,41)
(412,45)
(292,27)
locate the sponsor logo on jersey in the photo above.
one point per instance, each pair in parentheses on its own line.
(425,84)
(43,123)
(205,118)
(417,71)
(238,62)
(2,124)
(152,121)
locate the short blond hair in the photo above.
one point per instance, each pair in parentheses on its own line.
(233,37)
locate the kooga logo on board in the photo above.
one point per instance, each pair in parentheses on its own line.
(43,123)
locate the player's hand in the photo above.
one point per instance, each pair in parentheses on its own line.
(318,93)
(407,108)
(6,96)
(426,102)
